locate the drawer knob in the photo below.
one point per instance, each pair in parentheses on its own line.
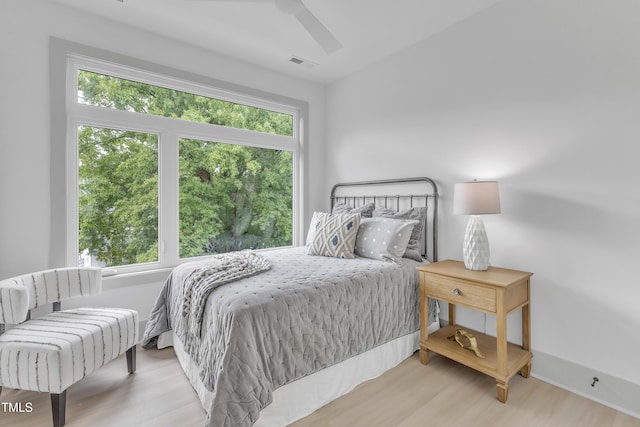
(457,291)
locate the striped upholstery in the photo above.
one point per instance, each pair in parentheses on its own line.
(20,294)
(14,302)
(51,353)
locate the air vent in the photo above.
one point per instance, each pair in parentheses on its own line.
(301,61)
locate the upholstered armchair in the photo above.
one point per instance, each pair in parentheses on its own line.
(52,352)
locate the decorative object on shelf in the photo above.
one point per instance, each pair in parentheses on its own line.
(476,198)
(472,343)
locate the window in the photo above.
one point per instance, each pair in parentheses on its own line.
(117,197)
(161,168)
(121,94)
(233,197)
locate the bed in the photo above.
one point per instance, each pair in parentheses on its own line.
(275,346)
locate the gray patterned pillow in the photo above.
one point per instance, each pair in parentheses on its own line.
(334,235)
(419,214)
(383,238)
(342,207)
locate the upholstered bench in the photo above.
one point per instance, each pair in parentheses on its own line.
(52,352)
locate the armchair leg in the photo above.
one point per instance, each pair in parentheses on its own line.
(58,406)
(131,359)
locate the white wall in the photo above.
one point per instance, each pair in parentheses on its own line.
(543,96)
(25,142)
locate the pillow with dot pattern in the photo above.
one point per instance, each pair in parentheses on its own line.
(417,236)
(383,238)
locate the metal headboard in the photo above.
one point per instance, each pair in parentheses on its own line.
(343,192)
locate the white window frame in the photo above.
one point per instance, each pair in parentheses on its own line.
(169,131)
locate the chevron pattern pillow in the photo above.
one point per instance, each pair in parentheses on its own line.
(335,234)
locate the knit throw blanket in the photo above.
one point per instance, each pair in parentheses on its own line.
(224,268)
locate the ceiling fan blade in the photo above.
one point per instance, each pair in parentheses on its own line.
(318,31)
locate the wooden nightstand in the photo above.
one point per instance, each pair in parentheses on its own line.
(496,291)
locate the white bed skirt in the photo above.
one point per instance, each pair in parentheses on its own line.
(302,397)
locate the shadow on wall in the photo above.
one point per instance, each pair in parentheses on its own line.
(574,222)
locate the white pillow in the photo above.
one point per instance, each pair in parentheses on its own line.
(383,238)
(312,227)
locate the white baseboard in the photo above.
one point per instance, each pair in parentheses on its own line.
(615,392)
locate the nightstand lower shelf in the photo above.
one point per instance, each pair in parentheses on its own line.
(518,359)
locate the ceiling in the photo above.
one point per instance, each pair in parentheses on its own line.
(259,33)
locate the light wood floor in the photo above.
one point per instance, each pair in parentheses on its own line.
(442,393)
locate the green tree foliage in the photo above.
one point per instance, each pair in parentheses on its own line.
(120,94)
(118,195)
(231,196)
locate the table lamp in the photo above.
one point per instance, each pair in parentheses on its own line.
(476,198)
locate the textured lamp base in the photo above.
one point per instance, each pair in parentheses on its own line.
(475,249)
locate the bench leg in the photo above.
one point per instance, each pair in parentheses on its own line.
(131,359)
(58,406)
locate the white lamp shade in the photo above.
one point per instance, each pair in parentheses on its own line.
(476,198)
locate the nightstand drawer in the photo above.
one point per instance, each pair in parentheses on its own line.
(460,292)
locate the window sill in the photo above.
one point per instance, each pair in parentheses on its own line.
(114,281)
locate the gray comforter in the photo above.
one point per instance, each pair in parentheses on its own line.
(305,314)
